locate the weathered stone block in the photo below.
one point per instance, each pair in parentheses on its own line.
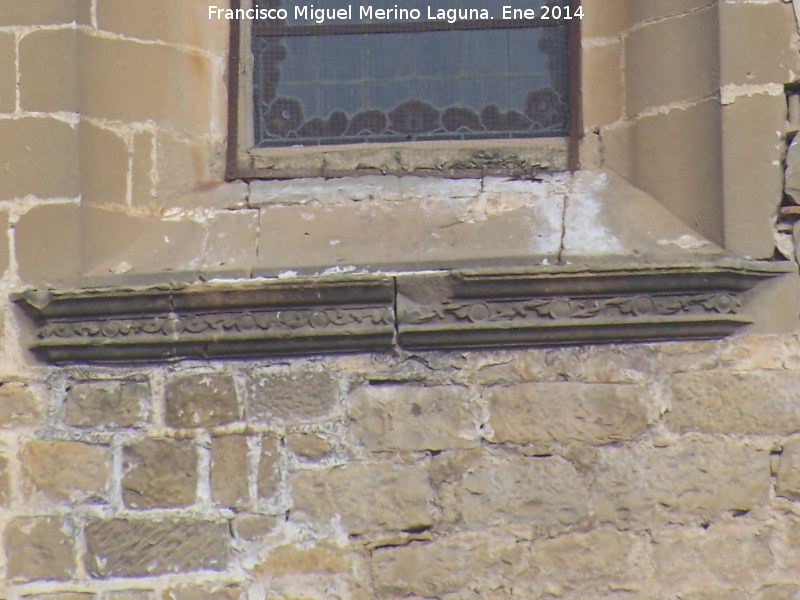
(434,234)
(180,21)
(366,496)
(8,73)
(608,18)
(115,242)
(5,482)
(788,485)
(722,401)
(563,412)
(753,135)
(39,548)
(18,406)
(107,403)
(307,445)
(642,11)
(603,556)
(139,548)
(291,394)
(47,240)
(201,400)
(66,471)
(196,592)
(742,26)
(322,558)
(105,159)
(143,172)
(251,527)
(38,12)
(48,65)
(183,166)
(159,473)
(779,592)
(697,156)
(532,493)
(480,563)
(411,417)
(692,478)
(39,156)
(231,244)
(686,50)
(268,476)
(229,469)
(735,553)
(118,82)
(62,596)
(603,88)
(130,595)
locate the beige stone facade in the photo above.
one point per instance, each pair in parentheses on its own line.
(621,471)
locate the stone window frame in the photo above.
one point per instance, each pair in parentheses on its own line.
(455,158)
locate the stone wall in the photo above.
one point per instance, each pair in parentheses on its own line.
(621,471)
(649,471)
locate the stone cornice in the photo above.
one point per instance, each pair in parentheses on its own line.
(378,313)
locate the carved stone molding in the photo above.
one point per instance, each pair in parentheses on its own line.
(212,321)
(513,309)
(424,311)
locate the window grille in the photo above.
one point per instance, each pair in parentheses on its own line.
(357,80)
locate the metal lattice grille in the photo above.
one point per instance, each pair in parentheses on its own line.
(355,81)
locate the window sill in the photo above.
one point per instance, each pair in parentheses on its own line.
(521,158)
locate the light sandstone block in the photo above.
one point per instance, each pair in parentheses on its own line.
(671,61)
(565,412)
(406,418)
(8,73)
(38,12)
(104,166)
(693,478)
(480,562)
(38,156)
(48,243)
(532,494)
(48,64)
(742,26)
(603,89)
(789,470)
(367,497)
(732,402)
(119,82)
(66,471)
(753,135)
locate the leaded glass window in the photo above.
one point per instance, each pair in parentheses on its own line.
(353,79)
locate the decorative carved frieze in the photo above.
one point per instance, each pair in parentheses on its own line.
(477,310)
(425,311)
(212,321)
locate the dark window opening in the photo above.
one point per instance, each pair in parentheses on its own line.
(360,80)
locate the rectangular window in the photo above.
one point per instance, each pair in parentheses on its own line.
(389,72)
